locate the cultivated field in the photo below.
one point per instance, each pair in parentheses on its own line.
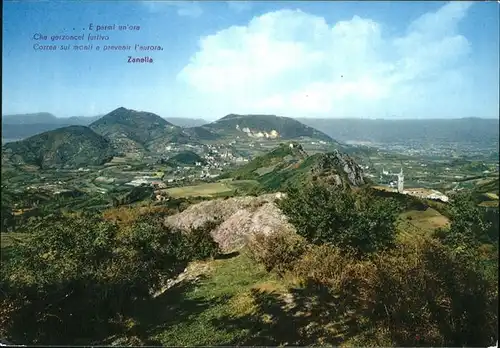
(209,189)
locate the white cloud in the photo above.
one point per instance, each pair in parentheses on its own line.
(296,64)
(184,8)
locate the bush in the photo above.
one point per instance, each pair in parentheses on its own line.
(325,214)
(423,290)
(468,228)
(199,244)
(418,293)
(74,274)
(278,252)
(348,279)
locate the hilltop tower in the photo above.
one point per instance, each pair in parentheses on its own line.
(401,181)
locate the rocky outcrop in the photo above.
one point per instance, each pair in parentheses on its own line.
(335,166)
(241,218)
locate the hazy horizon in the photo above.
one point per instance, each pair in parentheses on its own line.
(356,60)
(298,117)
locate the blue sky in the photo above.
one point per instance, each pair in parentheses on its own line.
(298,59)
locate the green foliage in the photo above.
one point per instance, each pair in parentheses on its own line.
(468,227)
(422,289)
(325,214)
(185,158)
(141,130)
(274,157)
(199,244)
(406,202)
(285,166)
(6,217)
(416,294)
(73,276)
(134,195)
(475,166)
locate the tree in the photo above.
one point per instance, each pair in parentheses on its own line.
(73,274)
(327,214)
(468,228)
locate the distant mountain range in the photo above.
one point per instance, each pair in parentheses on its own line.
(186,122)
(15,127)
(21,126)
(125,132)
(476,130)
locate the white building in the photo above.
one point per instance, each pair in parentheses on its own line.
(401,181)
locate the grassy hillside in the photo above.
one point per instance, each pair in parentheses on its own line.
(489,186)
(289,164)
(138,126)
(73,146)
(279,289)
(486,192)
(203,133)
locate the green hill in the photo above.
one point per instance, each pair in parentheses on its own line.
(262,126)
(290,164)
(133,131)
(72,146)
(185,158)
(203,133)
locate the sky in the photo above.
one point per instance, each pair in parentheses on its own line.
(289,58)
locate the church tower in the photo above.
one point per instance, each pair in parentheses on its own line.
(401,181)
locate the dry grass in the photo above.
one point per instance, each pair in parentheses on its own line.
(7,238)
(384,188)
(278,252)
(422,221)
(491,195)
(125,216)
(489,204)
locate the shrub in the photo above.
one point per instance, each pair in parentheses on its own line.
(278,252)
(125,216)
(326,214)
(73,274)
(347,277)
(199,244)
(419,293)
(468,227)
(423,290)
